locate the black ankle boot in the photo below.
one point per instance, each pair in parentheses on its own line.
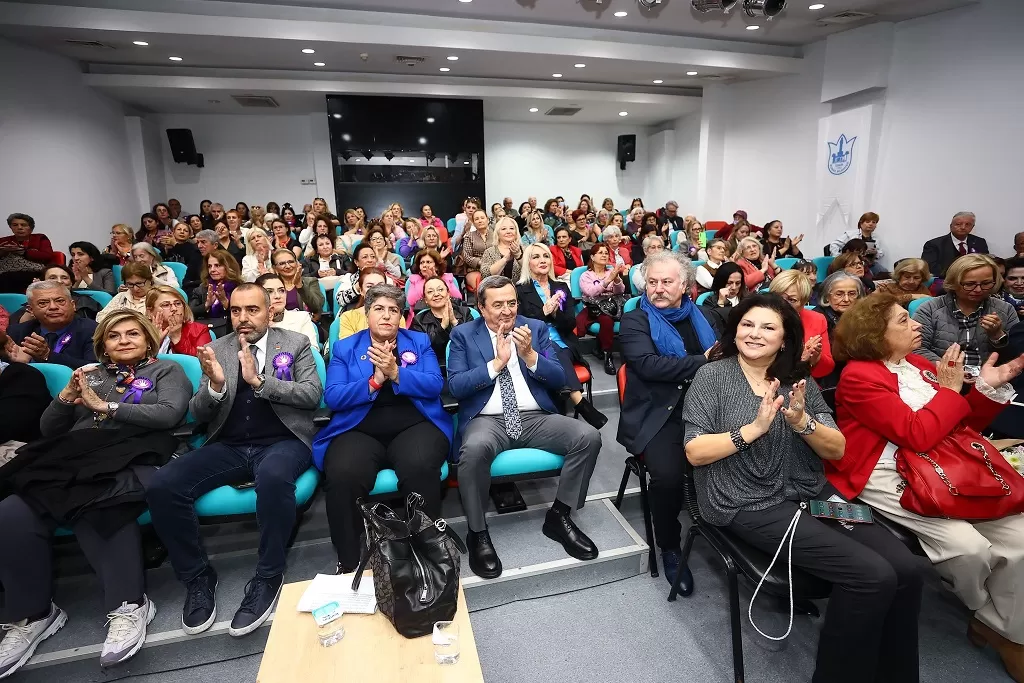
(609,363)
(592,415)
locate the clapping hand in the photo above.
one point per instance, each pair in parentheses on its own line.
(211,367)
(523,339)
(552,303)
(250,373)
(211,295)
(993,325)
(36,347)
(950,369)
(162,323)
(796,240)
(222,295)
(87,397)
(769,407)
(73,390)
(812,350)
(382,355)
(502,351)
(996,377)
(796,416)
(714,352)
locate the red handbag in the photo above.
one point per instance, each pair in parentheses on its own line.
(964,477)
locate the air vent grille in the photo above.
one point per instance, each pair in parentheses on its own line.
(563,111)
(259,101)
(410,61)
(90,43)
(847,17)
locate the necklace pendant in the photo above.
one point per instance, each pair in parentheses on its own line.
(119,390)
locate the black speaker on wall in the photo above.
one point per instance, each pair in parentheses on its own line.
(183,147)
(626,150)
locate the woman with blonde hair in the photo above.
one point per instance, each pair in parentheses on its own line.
(146,254)
(795,289)
(475,241)
(257,218)
(258,262)
(758,270)
(178,331)
(121,240)
(504,257)
(909,281)
(392,228)
(352,233)
(537,232)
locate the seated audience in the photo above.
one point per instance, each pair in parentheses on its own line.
(893,403)
(346,290)
(549,301)
(565,256)
(670,219)
(258,219)
(696,238)
(23,398)
(427,218)
(795,289)
(839,292)
(757,431)
(664,341)
(85,306)
(150,227)
(325,265)
(603,286)
(229,235)
(427,264)
(432,240)
(739,218)
(554,213)
(852,263)
(504,257)
(294,321)
(652,244)
(383,387)
(303,293)
(536,231)
(121,240)
(581,235)
(967,314)
(178,247)
(112,422)
(635,222)
(413,240)
(258,262)
(387,260)
(810,270)
(178,332)
(940,252)
(352,233)
(464,220)
(218,278)
(281,238)
(758,269)
(147,255)
(715,254)
(1013,285)
(23,253)
(776,246)
(866,226)
(321,226)
(500,370)
(136,279)
(259,389)
(91,269)
(738,234)
(727,290)
(354,319)
(392,229)
(618,248)
(54,334)
(476,239)
(908,281)
(320,208)
(438,315)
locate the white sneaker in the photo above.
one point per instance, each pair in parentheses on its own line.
(126,631)
(21,639)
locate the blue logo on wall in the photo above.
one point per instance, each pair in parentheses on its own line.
(840,155)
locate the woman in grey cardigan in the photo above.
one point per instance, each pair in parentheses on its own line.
(757,455)
(967,314)
(103,434)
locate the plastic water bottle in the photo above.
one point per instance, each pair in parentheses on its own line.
(328,624)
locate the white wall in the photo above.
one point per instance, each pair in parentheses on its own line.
(548,159)
(249,158)
(64,150)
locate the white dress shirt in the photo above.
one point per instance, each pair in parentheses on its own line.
(957,242)
(260,357)
(524,397)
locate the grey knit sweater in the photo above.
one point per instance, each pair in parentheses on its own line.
(778,466)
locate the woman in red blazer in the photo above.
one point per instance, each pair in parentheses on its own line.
(23,254)
(169,312)
(795,288)
(564,256)
(891,400)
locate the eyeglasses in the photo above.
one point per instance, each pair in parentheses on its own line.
(135,285)
(844,296)
(285,263)
(971,286)
(171,305)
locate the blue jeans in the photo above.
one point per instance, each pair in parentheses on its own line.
(177,485)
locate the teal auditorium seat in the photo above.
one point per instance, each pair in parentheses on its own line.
(332,334)
(577,293)
(56,376)
(702,298)
(786,263)
(327,301)
(631,305)
(632,287)
(179,270)
(916,304)
(822,263)
(117,275)
(387,481)
(709,235)
(12,302)
(102,298)
(451,225)
(523,463)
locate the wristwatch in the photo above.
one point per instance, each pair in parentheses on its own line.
(262,383)
(112,408)
(809,428)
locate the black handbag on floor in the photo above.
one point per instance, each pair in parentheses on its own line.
(415,564)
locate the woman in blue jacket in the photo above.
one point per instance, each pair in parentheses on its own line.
(384,386)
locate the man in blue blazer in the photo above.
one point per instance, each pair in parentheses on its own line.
(55,334)
(501,368)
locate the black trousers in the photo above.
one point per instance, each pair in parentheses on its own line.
(351,464)
(572,382)
(870,629)
(664,460)
(26,570)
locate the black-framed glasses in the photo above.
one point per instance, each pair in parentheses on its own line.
(971,286)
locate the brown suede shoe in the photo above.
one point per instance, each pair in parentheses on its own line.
(1010,652)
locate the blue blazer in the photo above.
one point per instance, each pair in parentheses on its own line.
(76,352)
(470,352)
(348,395)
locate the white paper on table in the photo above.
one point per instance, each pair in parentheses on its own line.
(327,587)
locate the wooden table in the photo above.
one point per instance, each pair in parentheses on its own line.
(371,651)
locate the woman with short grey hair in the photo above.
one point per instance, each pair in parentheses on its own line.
(652,244)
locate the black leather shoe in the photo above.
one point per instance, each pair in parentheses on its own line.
(200,610)
(559,527)
(588,412)
(483,559)
(258,603)
(670,562)
(609,363)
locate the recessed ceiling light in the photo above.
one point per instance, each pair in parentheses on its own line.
(308,50)
(453,58)
(412,161)
(623,113)
(579,66)
(556,75)
(817,5)
(140,43)
(621,14)
(658,81)
(691,73)
(174,59)
(337,116)
(466,1)
(753,28)
(423,141)
(430,119)
(466,163)
(319,64)
(346,137)
(358,159)
(444,69)
(534,110)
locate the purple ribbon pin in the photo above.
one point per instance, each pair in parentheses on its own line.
(139,385)
(408,358)
(61,343)
(283,366)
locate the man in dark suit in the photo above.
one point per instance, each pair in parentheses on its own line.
(259,389)
(940,252)
(501,368)
(55,334)
(664,341)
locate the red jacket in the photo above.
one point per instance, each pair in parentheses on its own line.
(558,259)
(193,335)
(870,414)
(815,323)
(37,247)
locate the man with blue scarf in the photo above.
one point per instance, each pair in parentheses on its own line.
(664,341)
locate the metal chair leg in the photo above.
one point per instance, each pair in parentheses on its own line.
(734,614)
(590,391)
(622,485)
(645,504)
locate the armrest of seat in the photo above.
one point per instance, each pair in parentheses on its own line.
(187,430)
(449,402)
(322,416)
